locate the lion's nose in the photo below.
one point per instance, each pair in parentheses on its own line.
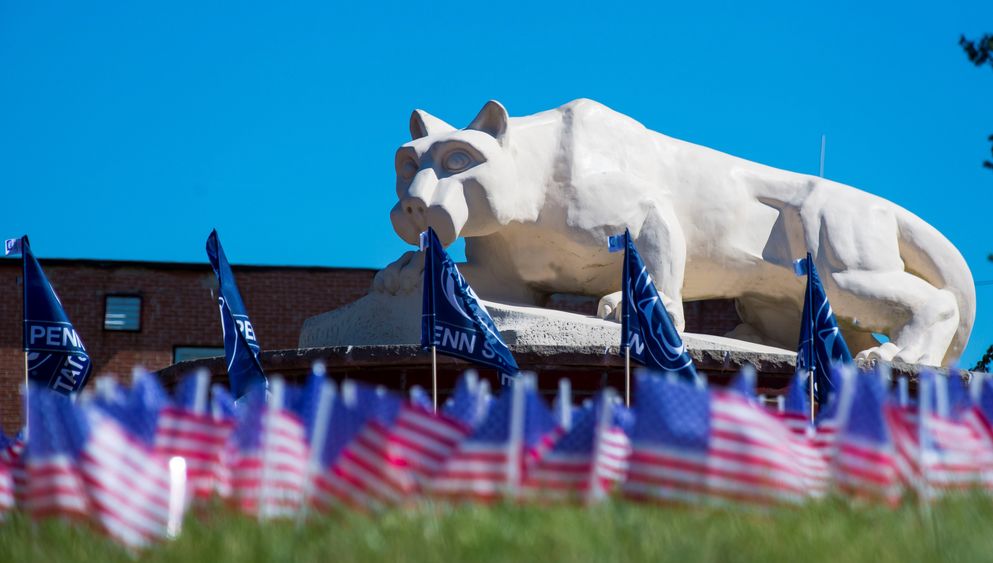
(416,211)
(415,207)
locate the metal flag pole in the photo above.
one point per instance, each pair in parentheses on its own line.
(434,376)
(24,315)
(627,376)
(813,326)
(27,401)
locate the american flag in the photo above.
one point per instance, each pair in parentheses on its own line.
(693,445)
(127,481)
(489,463)
(12,455)
(796,416)
(375,477)
(953,451)
(343,423)
(828,420)
(585,460)
(744,382)
(865,463)
(54,485)
(470,400)
(269,460)
(422,440)
(6,488)
(980,417)
(189,430)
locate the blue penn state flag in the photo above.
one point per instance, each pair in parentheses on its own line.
(56,356)
(452,317)
(241,349)
(646,328)
(821,343)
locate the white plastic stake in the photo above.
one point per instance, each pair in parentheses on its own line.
(515,444)
(941,395)
(177,496)
(471,379)
(277,393)
(322,420)
(565,403)
(201,387)
(976,387)
(780,404)
(903,391)
(594,490)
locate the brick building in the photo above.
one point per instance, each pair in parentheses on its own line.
(155,313)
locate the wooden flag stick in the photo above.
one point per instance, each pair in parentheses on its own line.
(627,376)
(434,376)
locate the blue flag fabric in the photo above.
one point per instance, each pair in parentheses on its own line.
(821,343)
(452,317)
(645,324)
(241,349)
(57,358)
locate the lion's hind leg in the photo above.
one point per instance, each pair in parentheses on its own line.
(919,318)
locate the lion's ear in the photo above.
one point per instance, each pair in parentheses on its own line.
(491,119)
(423,124)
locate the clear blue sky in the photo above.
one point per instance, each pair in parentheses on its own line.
(129,130)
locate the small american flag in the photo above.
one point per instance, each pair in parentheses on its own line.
(828,420)
(376,477)
(796,416)
(187,429)
(865,463)
(343,424)
(269,462)
(585,460)
(489,463)
(6,489)
(423,440)
(128,483)
(12,455)
(54,486)
(699,446)
(980,417)
(953,451)
(469,402)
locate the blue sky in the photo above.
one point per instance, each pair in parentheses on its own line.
(128,130)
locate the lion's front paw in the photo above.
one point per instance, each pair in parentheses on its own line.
(400,277)
(882,353)
(609,307)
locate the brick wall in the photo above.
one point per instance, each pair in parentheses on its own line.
(177,310)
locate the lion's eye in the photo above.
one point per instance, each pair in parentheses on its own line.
(456,161)
(408,169)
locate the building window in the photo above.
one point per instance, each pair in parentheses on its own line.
(122,312)
(184,353)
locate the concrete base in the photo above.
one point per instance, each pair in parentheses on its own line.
(380,319)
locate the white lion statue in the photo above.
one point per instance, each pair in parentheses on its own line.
(536,198)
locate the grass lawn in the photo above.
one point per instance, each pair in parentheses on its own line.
(959,530)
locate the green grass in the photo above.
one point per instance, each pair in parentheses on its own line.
(958,530)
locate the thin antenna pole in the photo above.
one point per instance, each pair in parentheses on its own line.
(823,148)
